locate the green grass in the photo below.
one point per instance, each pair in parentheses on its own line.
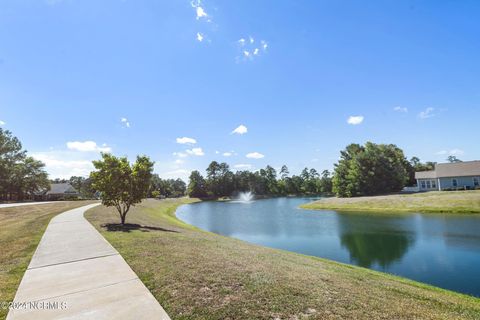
(429,202)
(20,232)
(200,275)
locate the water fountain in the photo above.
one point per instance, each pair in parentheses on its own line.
(245,197)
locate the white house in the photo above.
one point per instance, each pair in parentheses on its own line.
(450,176)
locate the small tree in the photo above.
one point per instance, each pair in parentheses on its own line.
(122,185)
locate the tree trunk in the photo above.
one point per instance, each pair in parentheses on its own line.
(123,217)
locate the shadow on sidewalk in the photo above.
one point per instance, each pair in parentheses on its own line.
(129,227)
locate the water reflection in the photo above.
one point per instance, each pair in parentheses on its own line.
(442,250)
(373,241)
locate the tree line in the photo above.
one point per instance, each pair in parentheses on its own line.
(166,188)
(220,181)
(362,170)
(20,175)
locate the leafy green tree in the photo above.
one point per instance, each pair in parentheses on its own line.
(415,165)
(33,177)
(284,173)
(122,185)
(453,159)
(167,188)
(269,176)
(83,186)
(197,185)
(20,176)
(369,170)
(219,179)
(325,183)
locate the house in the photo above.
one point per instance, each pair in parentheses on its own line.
(58,191)
(450,176)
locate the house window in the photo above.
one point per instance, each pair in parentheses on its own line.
(429,186)
(434,184)
(476,181)
(423,184)
(454,183)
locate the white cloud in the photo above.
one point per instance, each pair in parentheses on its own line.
(264,45)
(427,113)
(242,166)
(241,129)
(401,109)
(186,140)
(195,152)
(87,146)
(227,154)
(457,152)
(65,164)
(453,152)
(199,37)
(249,49)
(2,123)
(179,161)
(125,122)
(201,13)
(175,174)
(180,154)
(199,10)
(255,155)
(355,120)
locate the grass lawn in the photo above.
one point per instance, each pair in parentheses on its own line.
(20,232)
(200,275)
(428,202)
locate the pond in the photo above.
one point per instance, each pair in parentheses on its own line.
(438,249)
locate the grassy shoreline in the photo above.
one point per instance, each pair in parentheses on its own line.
(458,202)
(200,275)
(21,230)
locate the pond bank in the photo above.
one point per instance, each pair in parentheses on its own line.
(429,202)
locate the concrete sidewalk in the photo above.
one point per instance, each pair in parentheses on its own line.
(76,274)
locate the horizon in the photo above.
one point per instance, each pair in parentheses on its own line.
(251,84)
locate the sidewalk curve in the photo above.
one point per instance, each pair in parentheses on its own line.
(76,274)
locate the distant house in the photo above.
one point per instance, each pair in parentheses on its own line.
(58,191)
(450,176)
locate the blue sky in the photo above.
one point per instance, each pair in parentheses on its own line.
(292,72)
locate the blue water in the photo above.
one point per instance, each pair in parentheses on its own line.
(441,250)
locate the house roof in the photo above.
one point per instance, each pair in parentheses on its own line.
(446,170)
(425,175)
(62,188)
